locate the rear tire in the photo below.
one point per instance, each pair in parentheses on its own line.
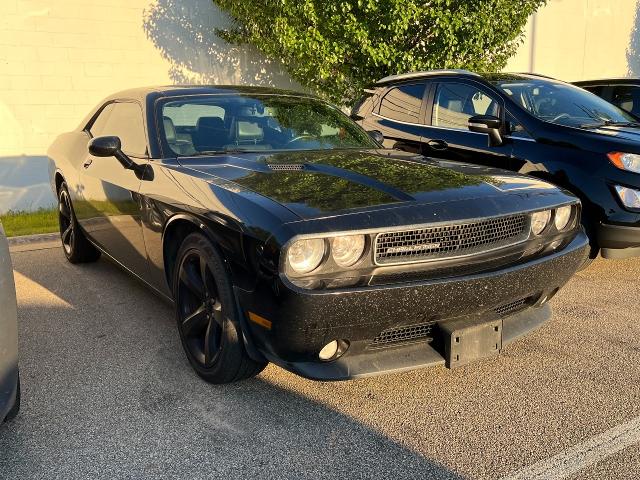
(16,406)
(207,316)
(75,245)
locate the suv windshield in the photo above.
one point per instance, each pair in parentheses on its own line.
(252,123)
(563,104)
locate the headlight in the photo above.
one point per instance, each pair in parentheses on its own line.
(563,215)
(305,255)
(347,250)
(629,197)
(539,221)
(625,161)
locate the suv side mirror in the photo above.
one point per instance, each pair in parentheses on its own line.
(487,124)
(377,136)
(110,147)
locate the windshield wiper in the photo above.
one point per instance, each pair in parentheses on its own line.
(610,123)
(621,124)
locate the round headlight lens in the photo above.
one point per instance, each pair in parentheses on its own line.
(304,256)
(563,215)
(539,221)
(347,250)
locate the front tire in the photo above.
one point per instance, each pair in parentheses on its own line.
(75,245)
(207,316)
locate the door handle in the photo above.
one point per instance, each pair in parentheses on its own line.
(437,144)
(88,163)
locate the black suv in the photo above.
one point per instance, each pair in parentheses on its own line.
(527,123)
(622,92)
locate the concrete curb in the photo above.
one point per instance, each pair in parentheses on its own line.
(29,239)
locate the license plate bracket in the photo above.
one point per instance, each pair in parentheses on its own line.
(466,342)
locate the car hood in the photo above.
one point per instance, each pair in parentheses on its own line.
(323,183)
(617,132)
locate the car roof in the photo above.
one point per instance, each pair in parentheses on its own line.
(181,90)
(610,81)
(489,77)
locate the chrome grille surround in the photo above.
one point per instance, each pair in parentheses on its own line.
(440,242)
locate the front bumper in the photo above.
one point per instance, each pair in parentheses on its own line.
(618,241)
(300,322)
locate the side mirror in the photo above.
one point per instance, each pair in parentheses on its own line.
(377,136)
(104,146)
(487,124)
(111,147)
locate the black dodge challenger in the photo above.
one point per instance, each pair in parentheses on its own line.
(283,232)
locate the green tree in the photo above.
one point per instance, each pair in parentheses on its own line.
(338,47)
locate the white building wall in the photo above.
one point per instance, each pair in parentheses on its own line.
(582,40)
(59,58)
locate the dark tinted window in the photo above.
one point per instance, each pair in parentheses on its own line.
(403,103)
(457,102)
(626,97)
(123,120)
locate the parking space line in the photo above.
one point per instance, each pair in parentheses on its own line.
(582,455)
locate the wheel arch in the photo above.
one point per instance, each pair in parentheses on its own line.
(58,179)
(176,229)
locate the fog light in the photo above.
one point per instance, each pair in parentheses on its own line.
(333,350)
(329,351)
(629,196)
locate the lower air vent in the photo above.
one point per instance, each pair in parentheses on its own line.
(513,307)
(410,333)
(285,167)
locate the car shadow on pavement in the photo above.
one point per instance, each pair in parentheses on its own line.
(108,393)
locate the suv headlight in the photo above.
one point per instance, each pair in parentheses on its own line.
(625,161)
(347,249)
(629,196)
(305,255)
(539,221)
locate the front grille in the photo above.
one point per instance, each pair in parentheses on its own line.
(449,241)
(285,167)
(513,307)
(410,333)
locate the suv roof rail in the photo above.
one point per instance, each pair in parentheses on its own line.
(426,73)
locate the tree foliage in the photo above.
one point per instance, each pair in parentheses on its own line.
(337,47)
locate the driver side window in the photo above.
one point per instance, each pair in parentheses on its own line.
(456,103)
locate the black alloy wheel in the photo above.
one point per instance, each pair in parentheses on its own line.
(207,315)
(200,309)
(75,245)
(67,233)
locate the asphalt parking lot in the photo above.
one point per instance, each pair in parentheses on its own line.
(108,394)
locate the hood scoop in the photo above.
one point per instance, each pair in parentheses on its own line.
(285,167)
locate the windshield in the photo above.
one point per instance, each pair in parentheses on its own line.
(254,123)
(563,104)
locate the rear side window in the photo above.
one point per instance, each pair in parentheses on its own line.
(455,103)
(403,103)
(123,120)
